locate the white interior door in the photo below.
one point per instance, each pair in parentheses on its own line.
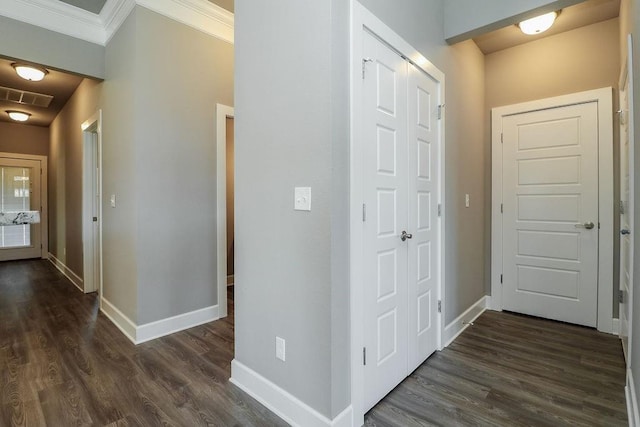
(626,205)
(550,219)
(91,211)
(401,229)
(20,191)
(423,138)
(386,197)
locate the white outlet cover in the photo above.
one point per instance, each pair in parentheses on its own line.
(280,349)
(302,199)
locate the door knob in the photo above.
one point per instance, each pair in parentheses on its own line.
(587,225)
(624,231)
(404,236)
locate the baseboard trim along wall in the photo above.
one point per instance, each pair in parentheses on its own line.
(455,328)
(615,326)
(632,401)
(138,334)
(170,325)
(118,318)
(281,402)
(67,272)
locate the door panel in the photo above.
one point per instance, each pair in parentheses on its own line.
(550,192)
(385,255)
(423,137)
(19,191)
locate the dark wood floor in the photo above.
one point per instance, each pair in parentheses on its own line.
(514,370)
(64,364)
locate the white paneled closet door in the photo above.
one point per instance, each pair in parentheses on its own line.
(400,233)
(423,141)
(385,192)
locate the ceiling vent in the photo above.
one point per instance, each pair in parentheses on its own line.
(25,98)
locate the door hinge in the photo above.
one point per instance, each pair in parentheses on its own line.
(502,138)
(501,278)
(620,296)
(364,65)
(439,306)
(501,208)
(364,356)
(364,212)
(440,111)
(95,219)
(439,209)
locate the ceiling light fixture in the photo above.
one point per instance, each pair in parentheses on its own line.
(18,116)
(539,24)
(30,72)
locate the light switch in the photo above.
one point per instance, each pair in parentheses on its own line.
(113,200)
(466,200)
(302,200)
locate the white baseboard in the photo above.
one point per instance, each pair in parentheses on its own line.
(455,328)
(632,401)
(170,325)
(138,334)
(281,402)
(67,272)
(118,318)
(615,326)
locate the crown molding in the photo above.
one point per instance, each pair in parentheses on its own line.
(113,15)
(56,16)
(202,15)
(99,29)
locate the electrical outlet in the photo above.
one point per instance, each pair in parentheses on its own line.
(280,348)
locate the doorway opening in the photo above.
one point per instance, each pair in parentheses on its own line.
(92,203)
(552,215)
(225,208)
(23,204)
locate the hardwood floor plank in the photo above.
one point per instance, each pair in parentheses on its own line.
(512,370)
(62,363)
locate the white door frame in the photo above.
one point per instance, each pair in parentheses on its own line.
(626,76)
(605,198)
(222,113)
(91,128)
(44,197)
(364,20)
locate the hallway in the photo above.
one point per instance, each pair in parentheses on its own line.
(514,370)
(62,364)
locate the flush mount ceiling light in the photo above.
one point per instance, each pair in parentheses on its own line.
(30,72)
(18,116)
(539,24)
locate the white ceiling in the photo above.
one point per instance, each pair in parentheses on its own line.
(580,15)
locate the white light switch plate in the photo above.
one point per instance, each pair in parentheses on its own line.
(302,201)
(113,200)
(466,200)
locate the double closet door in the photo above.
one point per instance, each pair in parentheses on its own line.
(400,213)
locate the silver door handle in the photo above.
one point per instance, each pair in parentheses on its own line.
(587,225)
(624,231)
(404,236)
